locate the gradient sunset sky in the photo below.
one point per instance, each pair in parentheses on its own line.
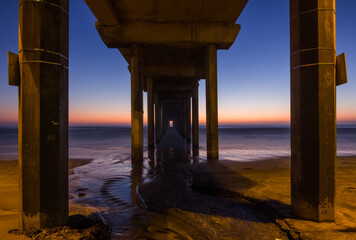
(253,75)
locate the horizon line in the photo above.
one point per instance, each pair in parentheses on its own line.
(13,124)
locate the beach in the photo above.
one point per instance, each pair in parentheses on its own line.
(245,195)
(266,182)
(9,195)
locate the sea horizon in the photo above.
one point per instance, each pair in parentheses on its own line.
(237,142)
(201,125)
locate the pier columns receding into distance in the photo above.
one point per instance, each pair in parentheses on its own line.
(313,124)
(43,114)
(176,52)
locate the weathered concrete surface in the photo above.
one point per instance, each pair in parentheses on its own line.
(176,34)
(136,103)
(188,23)
(43,113)
(186,10)
(313,113)
(212,135)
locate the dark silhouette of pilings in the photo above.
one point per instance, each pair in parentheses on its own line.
(43,114)
(313,124)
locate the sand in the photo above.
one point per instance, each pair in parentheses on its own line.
(9,194)
(268,182)
(265,181)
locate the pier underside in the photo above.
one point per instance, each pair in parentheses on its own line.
(175,45)
(169,47)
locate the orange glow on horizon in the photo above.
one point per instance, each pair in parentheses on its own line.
(105,119)
(120,119)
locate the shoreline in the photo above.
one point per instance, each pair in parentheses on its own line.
(266,180)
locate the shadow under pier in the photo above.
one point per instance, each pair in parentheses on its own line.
(186,201)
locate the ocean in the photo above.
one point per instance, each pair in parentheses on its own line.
(236,142)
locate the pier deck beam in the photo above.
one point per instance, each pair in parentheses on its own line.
(212,137)
(136,104)
(313,125)
(43,114)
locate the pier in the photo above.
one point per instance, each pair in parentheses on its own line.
(169,47)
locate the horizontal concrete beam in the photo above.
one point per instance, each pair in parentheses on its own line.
(174,34)
(172,95)
(104,11)
(176,88)
(188,71)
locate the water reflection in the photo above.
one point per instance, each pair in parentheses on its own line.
(136,179)
(123,188)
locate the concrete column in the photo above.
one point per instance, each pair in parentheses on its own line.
(150,114)
(188,119)
(163,119)
(43,114)
(195,117)
(158,120)
(136,104)
(313,125)
(184,118)
(212,137)
(182,122)
(136,179)
(179,121)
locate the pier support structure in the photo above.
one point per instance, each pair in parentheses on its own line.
(136,103)
(150,114)
(188,118)
(195,116)
(179,45)
(158,121)
(313,125)
(43,114)
(212,138)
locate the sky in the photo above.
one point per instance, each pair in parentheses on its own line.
(253,75)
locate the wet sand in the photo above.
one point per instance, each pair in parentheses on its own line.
(236,200)
(188,201)
(223,200)
(267,184)
(9,195)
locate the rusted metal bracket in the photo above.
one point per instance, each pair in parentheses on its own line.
(341,71)
(13,69)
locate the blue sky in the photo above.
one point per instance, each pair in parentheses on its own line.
(254,78)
